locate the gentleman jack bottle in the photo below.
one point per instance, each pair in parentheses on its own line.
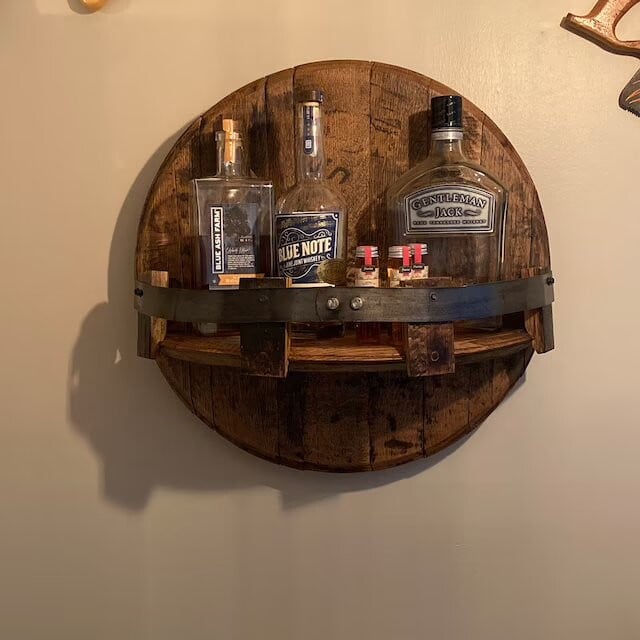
(454,205)
(310,224)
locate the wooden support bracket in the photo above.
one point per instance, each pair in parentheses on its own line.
(152,331)
(264,346)
(429,348)
(539,322)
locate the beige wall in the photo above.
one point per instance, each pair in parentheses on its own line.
(123,517)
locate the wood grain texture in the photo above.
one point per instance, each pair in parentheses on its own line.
(264,347)
(342,354)
(429,349)
(245,410)
(321,417)
(152,331)
(395,436)
(336,422)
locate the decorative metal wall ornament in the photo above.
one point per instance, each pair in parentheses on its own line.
(599,26)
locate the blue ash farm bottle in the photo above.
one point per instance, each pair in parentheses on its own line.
(234,217)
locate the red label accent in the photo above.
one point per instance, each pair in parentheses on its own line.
(368,256)
(417,255)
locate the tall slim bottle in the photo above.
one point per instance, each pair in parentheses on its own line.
(310,224)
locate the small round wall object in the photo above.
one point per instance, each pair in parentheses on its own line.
(94,5)
(353,408)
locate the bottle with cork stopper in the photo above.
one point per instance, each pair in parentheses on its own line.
(234,211)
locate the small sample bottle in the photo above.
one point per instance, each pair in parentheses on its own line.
(420,261)
(399,265)
(234,220)
(365,272)
(365,269)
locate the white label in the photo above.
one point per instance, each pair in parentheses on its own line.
(364,277)
(450,209)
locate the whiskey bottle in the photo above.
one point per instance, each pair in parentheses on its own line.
(454,205)
(234,216)
(310,224)
(234,219)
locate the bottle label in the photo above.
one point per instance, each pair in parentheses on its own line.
(450,209)
(234,243)
(309,126)
(305,240)
(364,276)
(398,275)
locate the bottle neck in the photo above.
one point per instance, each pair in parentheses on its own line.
(310,163)
(230,158)
(447,144)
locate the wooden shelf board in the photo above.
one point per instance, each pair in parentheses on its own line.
(342,354)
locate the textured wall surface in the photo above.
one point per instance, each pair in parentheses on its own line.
(124,517)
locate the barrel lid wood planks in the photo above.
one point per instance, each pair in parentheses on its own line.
(342,407)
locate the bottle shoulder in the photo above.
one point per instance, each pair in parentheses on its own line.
(311,196)
(231,182)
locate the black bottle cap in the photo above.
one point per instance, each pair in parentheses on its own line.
(446,112)
(313,95)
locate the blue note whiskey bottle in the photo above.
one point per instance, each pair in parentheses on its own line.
(310,224)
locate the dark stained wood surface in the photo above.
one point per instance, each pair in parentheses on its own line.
(152,331)
(343,354)
(376,128)
(264,347)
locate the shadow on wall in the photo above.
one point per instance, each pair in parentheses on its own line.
(142,434)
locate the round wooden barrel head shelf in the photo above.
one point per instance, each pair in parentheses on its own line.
(343,406)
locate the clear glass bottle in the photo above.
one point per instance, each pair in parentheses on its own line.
(310,224)
(451,203)
(234,220)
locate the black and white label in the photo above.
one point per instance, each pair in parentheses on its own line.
(305,240)
(234,241)
(309,146)
(450,209)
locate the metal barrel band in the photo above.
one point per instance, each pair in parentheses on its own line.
(346,304)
